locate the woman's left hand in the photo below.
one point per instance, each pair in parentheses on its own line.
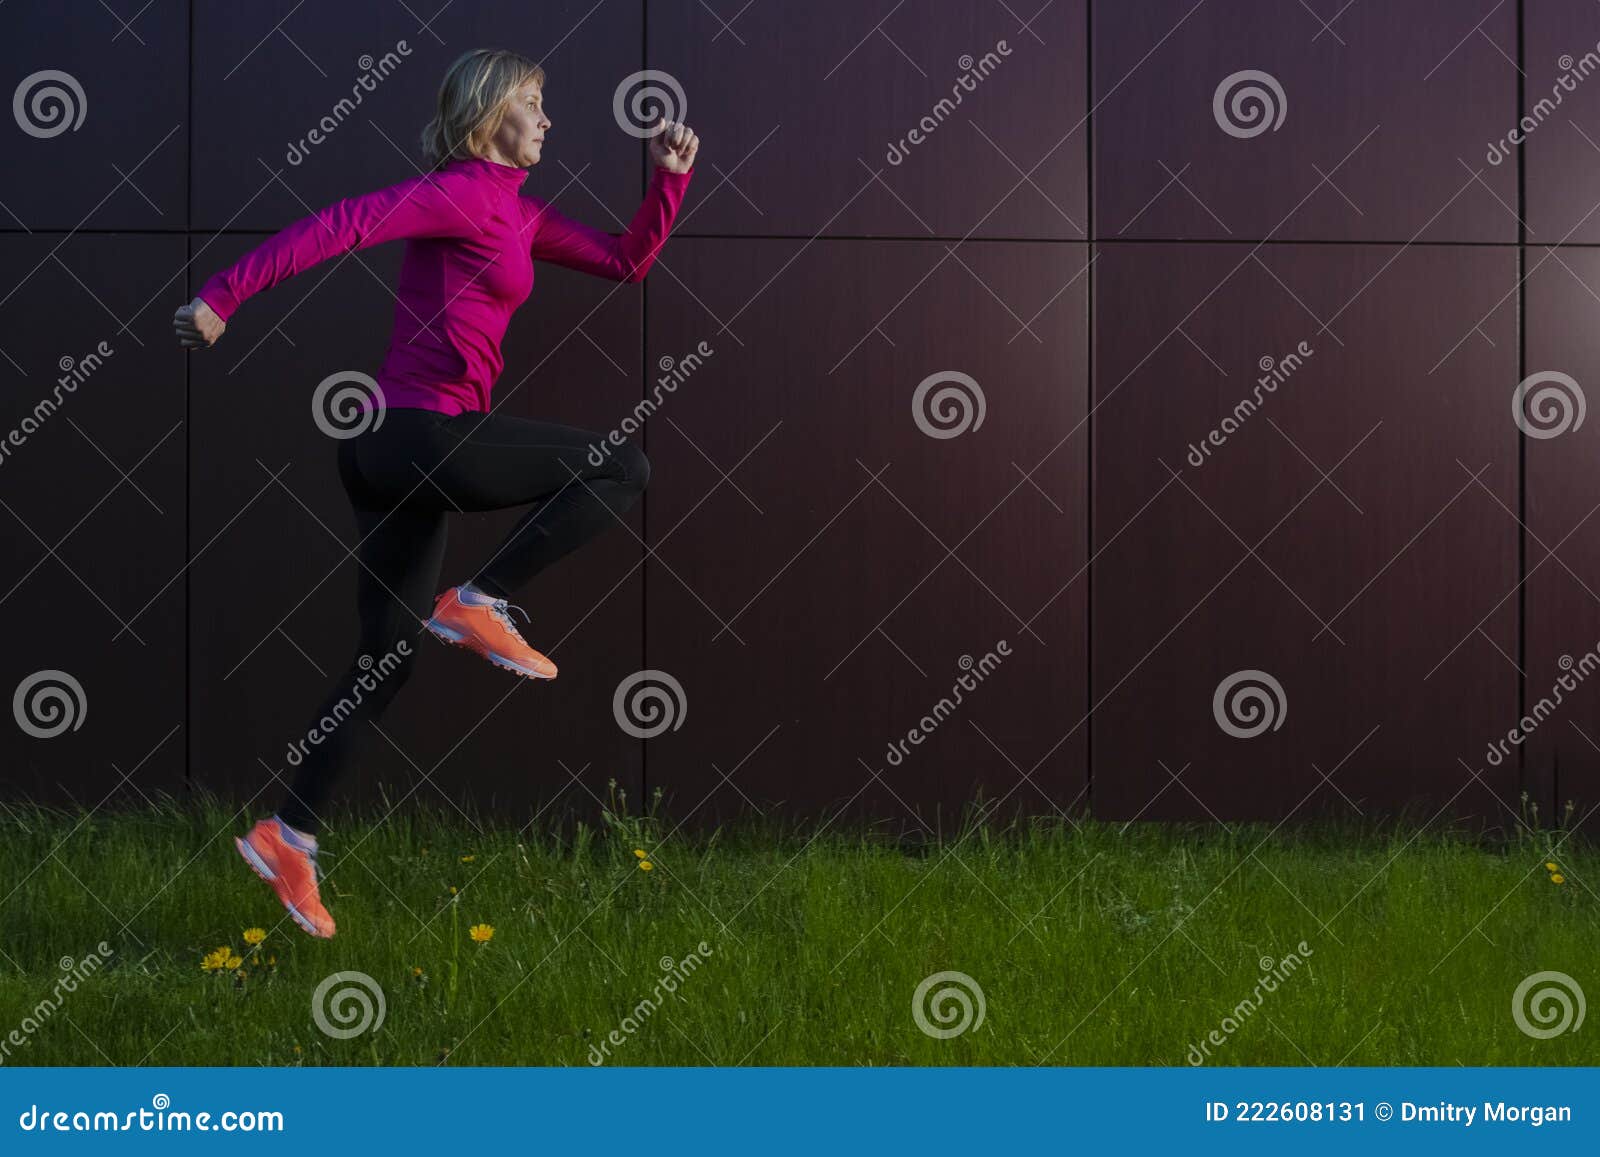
(673,146)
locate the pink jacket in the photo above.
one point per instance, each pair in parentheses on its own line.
(472,241)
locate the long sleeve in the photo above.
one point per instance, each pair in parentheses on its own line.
(560,240)
(426,206)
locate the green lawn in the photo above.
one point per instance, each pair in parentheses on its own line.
(1091,945)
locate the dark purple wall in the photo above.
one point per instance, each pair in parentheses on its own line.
(1110,258)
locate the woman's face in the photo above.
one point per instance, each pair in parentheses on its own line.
(522,129)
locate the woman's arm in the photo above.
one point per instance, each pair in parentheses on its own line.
(432,205)
(560,240)
(563,241)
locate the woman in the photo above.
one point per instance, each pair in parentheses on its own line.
(471,240)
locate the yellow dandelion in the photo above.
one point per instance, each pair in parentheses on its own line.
(468,859)
(234,961)
(1557,878)
(272,962)
(646,866)
(297,1050)
(639,852)
(254,935)
(1550,865)
(481,933)
(215,960)
(452,889)
(416,972)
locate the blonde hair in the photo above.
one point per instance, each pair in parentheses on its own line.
(472,103)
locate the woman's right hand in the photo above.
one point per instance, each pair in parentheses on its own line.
(197,325)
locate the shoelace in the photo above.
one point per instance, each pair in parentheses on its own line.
(311,855)
(500,606)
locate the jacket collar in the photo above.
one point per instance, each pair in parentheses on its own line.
(509,176)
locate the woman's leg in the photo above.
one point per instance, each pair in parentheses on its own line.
(500,462)
(401,529)
(402,477)
(400,557)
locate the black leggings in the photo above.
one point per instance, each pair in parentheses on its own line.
(403,477)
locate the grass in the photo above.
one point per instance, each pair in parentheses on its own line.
(1092,945)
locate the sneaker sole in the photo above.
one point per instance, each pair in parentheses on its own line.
(453,636)
(259,867)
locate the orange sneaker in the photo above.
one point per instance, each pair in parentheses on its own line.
(487,629)
(292,872)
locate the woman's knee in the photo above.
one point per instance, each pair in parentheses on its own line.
(630,466)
